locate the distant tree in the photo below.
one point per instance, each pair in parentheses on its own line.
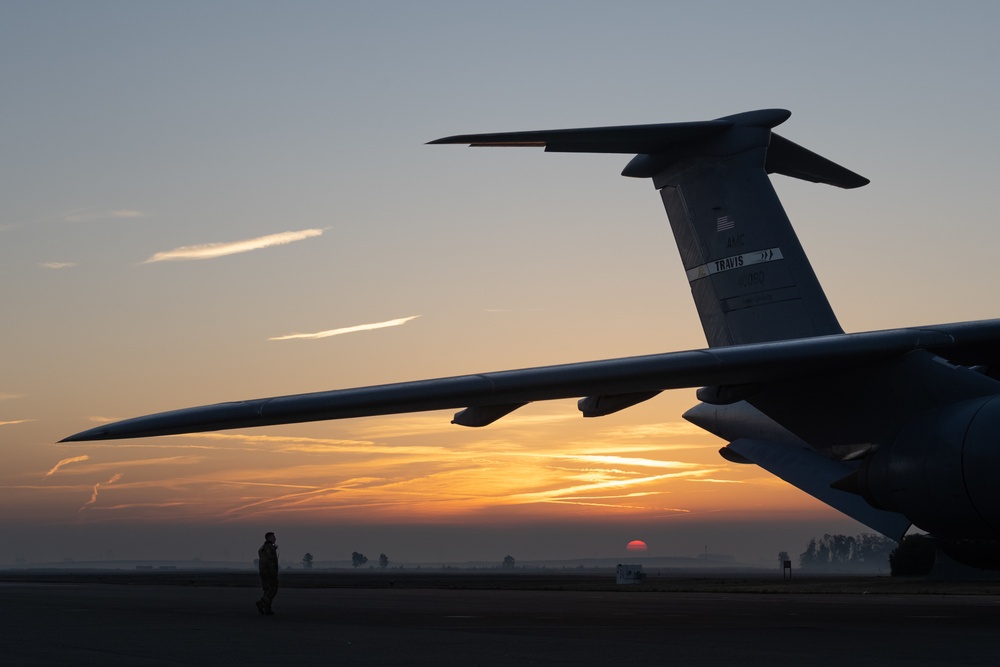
(866,551)
(807,558)
(823,551)
(872,549)
(307,560)
(508,561)
(914,557)
(383,561)
(782,557)
(357,560)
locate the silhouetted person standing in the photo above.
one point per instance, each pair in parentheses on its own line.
(267,564)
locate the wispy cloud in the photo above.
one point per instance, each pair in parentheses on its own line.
(624,460)
(98,419)
(552,495)
(93,468)
(83,215)
(640,431)
(439,422)
(275,444)
(368,470)
(132,506)
(213,250)
(72,459)
(57,265)
(93,495)
(346,330)
(11,397)
(92,215)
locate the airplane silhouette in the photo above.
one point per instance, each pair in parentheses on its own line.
(893,427)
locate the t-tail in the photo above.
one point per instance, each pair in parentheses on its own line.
(749,275)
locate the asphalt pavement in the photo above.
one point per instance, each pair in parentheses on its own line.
(77,623)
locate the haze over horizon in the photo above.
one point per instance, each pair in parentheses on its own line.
(218,201)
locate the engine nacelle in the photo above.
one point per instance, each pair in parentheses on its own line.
(941,471)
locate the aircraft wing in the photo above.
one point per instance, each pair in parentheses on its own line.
(606,385)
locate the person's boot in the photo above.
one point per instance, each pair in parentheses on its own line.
(260,607)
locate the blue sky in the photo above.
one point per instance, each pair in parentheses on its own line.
(298,129)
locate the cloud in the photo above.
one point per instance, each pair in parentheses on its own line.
(554,495)
(622,460)
(213,250)
(83,215)
(57,265)
(346,330)
(72,459)
(93,495)
(11,397)
(668,429)
(130,506)
(90,215)
(104,467)
(275,444)
(303,445)
(97,419)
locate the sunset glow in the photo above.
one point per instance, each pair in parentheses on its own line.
(244,205)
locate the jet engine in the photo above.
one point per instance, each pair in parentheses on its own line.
(941,473)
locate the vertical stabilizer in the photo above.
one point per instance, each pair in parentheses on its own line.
(749,276)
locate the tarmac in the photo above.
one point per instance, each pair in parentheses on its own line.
(211,619)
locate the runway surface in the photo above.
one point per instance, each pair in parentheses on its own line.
(149,624)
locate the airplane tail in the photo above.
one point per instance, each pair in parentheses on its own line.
(750,278)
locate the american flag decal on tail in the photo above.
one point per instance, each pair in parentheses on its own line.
(724,223)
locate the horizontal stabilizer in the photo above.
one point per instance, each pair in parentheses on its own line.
(622,139)
(789,159)
(657,145)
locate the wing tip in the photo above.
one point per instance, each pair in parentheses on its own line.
(88,435)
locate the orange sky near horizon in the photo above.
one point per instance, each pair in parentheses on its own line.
(545,462)
(635,476)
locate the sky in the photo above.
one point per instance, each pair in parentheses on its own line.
(211,201)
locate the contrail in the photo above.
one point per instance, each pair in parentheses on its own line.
(213,250)
(73,459)
(91,215)
(93,496)
(337,332)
